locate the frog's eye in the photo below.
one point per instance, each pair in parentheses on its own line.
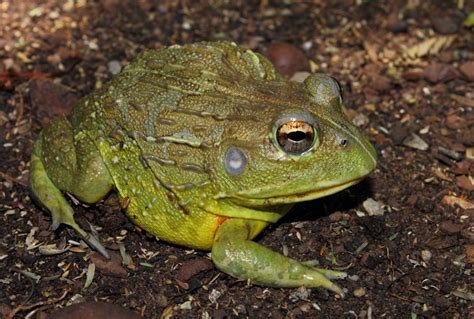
(296,135)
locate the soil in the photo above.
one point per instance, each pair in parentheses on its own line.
(405,235)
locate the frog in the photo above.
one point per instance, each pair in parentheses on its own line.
(206,145)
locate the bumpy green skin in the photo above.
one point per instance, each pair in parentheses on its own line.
(158,133)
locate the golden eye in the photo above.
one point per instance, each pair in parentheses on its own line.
(296,136)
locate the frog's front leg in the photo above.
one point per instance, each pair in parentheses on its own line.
(236,255)
(62,161)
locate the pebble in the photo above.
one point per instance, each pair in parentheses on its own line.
(94,310)
(440,72)
(426,255)
(449,227)
(193,267)
(360,120)
(462,167)
(469,249)
(109,267)
(301,293)
(381,83)
(398,133)
(287,58)
(359,292)
(336,216)
(465,182)
(398,26)
(373,207)
(444,23)
(214,295)
(467,137)
(114,67)
(467,69)
(416,142)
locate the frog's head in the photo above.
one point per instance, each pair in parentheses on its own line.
(302,150)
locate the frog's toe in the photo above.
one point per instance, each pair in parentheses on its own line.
(331,274)
(95,243)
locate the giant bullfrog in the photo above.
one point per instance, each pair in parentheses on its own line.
(206,144)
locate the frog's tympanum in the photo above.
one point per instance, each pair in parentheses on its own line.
(206,145)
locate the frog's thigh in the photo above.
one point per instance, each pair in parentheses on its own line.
(73,162)
(236,255)
(62,162)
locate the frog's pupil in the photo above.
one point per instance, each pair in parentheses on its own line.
(297,136)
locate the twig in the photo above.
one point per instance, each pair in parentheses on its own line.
(12,314)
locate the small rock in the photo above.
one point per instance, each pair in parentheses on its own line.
(413,75)
(214,295)
(305,307)
(426,255)
(416,142)
(336,216)
(301,293)
(454,122)
(373,207)
(445,23)
(465,182)
(450,228)
(467,137)
(467,69)
(94,310)
(470,153)
(381,83)
(114,67)
(411,200)
(398,133)
(161,300)
(193,267)
(398,26)
(5,310)
(371,260)
(360,120)
(220,314)
(353,243)
(438,72)
(287,58)
(359,292)
(462,168)
(469,249)
(442,302)
(109,267)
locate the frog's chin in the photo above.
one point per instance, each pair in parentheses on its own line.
(256,200)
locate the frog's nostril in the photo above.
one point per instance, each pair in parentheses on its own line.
(343,143)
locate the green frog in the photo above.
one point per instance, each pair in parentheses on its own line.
(206,144)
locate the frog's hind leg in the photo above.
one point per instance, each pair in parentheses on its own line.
(235,254)
(64,162)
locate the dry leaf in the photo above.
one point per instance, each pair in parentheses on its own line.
(453,200)
(429,47)
(463,100)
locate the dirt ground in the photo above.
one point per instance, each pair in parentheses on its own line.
(405,235)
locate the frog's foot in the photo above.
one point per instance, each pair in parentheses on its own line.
(236,255)
(52,198)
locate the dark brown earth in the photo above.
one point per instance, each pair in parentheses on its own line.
(408,70)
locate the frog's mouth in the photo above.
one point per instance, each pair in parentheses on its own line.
(257,199)
(267,207)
